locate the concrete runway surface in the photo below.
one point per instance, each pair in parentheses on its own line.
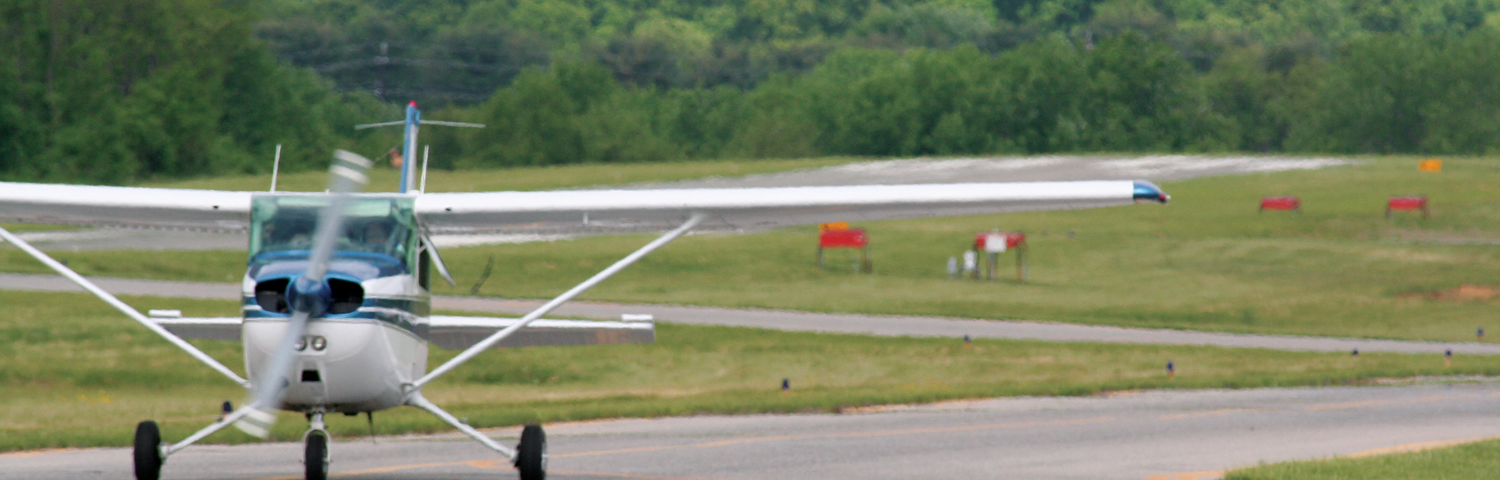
(1158,435)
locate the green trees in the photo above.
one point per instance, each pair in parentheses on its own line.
(112,92)
(1403,94)
(115,92)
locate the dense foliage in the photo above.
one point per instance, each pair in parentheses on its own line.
(121,91)
(115,91)
(614,80)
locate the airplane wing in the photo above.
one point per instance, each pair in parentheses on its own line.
(455,332)
(576,211)
(760,208)
(101,206)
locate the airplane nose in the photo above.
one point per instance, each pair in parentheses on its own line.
(331,296)
(308,295)
(1148,192)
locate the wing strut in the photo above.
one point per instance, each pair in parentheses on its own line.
(556,302)
(121,306)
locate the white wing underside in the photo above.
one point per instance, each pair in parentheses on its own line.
(459,332)
(575,210)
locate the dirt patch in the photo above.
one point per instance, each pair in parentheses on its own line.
(1464,293)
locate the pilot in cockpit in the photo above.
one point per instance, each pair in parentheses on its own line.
(376,237)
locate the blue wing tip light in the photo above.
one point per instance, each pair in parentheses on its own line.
(1148,192)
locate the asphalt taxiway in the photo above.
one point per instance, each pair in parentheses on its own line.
(1157,435)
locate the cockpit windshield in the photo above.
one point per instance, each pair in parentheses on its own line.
(380,225)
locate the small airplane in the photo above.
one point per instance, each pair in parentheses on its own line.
(335,314)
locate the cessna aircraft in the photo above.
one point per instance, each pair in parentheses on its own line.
(335,300)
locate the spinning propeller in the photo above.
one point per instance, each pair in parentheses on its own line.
(309,296)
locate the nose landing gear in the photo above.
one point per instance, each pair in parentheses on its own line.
(315,452)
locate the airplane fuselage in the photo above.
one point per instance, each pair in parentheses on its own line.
(365,350)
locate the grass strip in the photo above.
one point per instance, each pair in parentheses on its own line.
(1472,460)
(78,374)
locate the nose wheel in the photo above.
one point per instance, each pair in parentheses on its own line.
(531,454)
(315,453)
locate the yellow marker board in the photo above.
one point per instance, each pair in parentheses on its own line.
(833,227)
(1430,165)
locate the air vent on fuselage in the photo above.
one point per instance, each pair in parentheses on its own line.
(271,295)
(347,296)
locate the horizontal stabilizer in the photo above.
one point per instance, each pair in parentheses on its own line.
(220,328)
(454,332)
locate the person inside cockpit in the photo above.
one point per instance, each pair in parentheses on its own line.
(376,237)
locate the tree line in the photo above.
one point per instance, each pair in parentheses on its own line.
(119,92)
(1386,93)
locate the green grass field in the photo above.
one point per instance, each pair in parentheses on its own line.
(1207,261)
(80,374)
(1469,461)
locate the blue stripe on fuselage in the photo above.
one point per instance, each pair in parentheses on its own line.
(403,313)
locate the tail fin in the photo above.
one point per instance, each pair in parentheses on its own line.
(409,142)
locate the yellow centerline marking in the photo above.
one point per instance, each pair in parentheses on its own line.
(1371,403)
(33,453)
(1416,447)
(1210,413)
(881,433)
(1199,475)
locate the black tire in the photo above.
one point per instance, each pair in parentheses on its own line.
(147,451)
(315,457)
(531,454)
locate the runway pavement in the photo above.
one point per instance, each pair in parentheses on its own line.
(1160,435)
(1156,168)
(882,325)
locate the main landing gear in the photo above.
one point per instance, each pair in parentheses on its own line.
(147,451)
(151,453)
(531,454)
